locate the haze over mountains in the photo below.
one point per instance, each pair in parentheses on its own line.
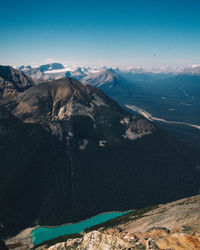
(56,68)
(70,151)
(176,91)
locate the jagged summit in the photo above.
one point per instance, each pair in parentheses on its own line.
(104,78)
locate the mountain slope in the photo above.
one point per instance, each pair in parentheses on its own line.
(84,154)
(36,74)
(173,97)
(30,159)
(76,74)
(12,81)
(104,79)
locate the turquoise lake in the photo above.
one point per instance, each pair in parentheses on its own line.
(42,234)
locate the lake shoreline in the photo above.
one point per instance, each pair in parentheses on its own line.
(44,233)
(71,223)
(25,236)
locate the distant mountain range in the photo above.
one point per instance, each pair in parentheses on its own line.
(171,93)
(166,93)
(68,151)
(58,70)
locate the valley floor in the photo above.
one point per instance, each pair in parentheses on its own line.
(150,117)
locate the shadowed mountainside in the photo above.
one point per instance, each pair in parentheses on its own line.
(70,152)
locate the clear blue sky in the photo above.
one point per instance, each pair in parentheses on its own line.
(99,32)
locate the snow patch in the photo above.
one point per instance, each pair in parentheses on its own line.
(102,143)
(131,135)
(83,144)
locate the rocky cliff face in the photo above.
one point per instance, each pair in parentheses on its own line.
(173,226)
